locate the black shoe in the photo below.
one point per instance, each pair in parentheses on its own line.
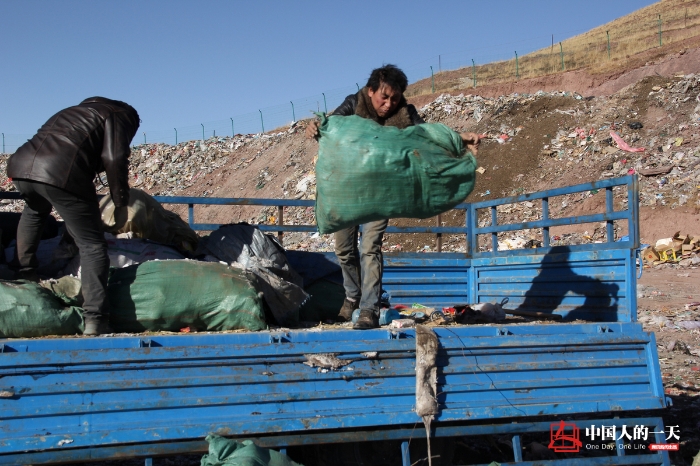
(97,327)
(368,319)
(345,314)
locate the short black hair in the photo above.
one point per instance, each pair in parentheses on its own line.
(390,75)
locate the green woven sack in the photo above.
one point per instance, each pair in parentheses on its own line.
(367,172)
(174,294)
(29,310)
(230,452)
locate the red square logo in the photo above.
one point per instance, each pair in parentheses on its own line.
(564,437)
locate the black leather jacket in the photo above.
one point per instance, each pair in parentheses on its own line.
(76,144)
(348,106)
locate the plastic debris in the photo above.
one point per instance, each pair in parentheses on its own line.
(623,145)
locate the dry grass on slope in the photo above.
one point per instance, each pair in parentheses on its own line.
(636,34)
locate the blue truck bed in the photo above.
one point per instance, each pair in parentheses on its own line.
(80,399)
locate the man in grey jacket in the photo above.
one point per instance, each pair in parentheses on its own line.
(56,168)
(381,100)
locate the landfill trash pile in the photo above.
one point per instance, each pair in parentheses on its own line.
(170,169)
(650,129)
(606,138)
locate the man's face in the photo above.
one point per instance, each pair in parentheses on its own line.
(384,100)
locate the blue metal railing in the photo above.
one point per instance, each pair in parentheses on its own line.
(630,215)
(471,230)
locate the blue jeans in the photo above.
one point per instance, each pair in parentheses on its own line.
(362,267)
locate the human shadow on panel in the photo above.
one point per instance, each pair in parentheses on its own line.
(559,289)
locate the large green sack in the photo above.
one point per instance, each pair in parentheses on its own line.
(367,172)
(228,452)
(171,295)
(326,300)
(29,310)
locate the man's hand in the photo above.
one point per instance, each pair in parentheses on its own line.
(472,140)
(312,129)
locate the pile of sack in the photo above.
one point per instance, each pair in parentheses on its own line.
(163,277)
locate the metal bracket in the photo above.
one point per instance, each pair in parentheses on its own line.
(517,449)
(503,332)
(396,335)
(604,329)
(638,257)
(13,349)
(145,343)
(279,338)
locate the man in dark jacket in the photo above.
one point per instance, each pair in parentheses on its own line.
(380,100)
(57,168)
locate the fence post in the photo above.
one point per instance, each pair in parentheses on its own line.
(474,72)
(294,117)
(3,143)
(233,133)
(144,138)
(280,221)
(439,63)
(432,79)
(561,52)
(175,136)
(517,74)
(262,123)
(660,31)
(358,87)
(202,124)
(608,33)
(324,101)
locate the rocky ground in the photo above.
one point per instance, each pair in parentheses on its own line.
(536,139)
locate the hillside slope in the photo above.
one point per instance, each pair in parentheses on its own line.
(542,150)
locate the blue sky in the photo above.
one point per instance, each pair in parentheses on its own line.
(195,65)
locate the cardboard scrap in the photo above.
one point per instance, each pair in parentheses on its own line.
(671,249)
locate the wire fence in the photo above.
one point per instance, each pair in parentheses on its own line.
(456,70)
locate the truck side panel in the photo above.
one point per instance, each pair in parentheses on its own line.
(87,393)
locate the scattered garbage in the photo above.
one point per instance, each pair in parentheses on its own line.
(623,145)
(326,361)
(683,250)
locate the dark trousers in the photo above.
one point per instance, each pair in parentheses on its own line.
(362,267)
(83,221)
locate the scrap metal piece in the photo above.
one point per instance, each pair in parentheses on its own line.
(326,361)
